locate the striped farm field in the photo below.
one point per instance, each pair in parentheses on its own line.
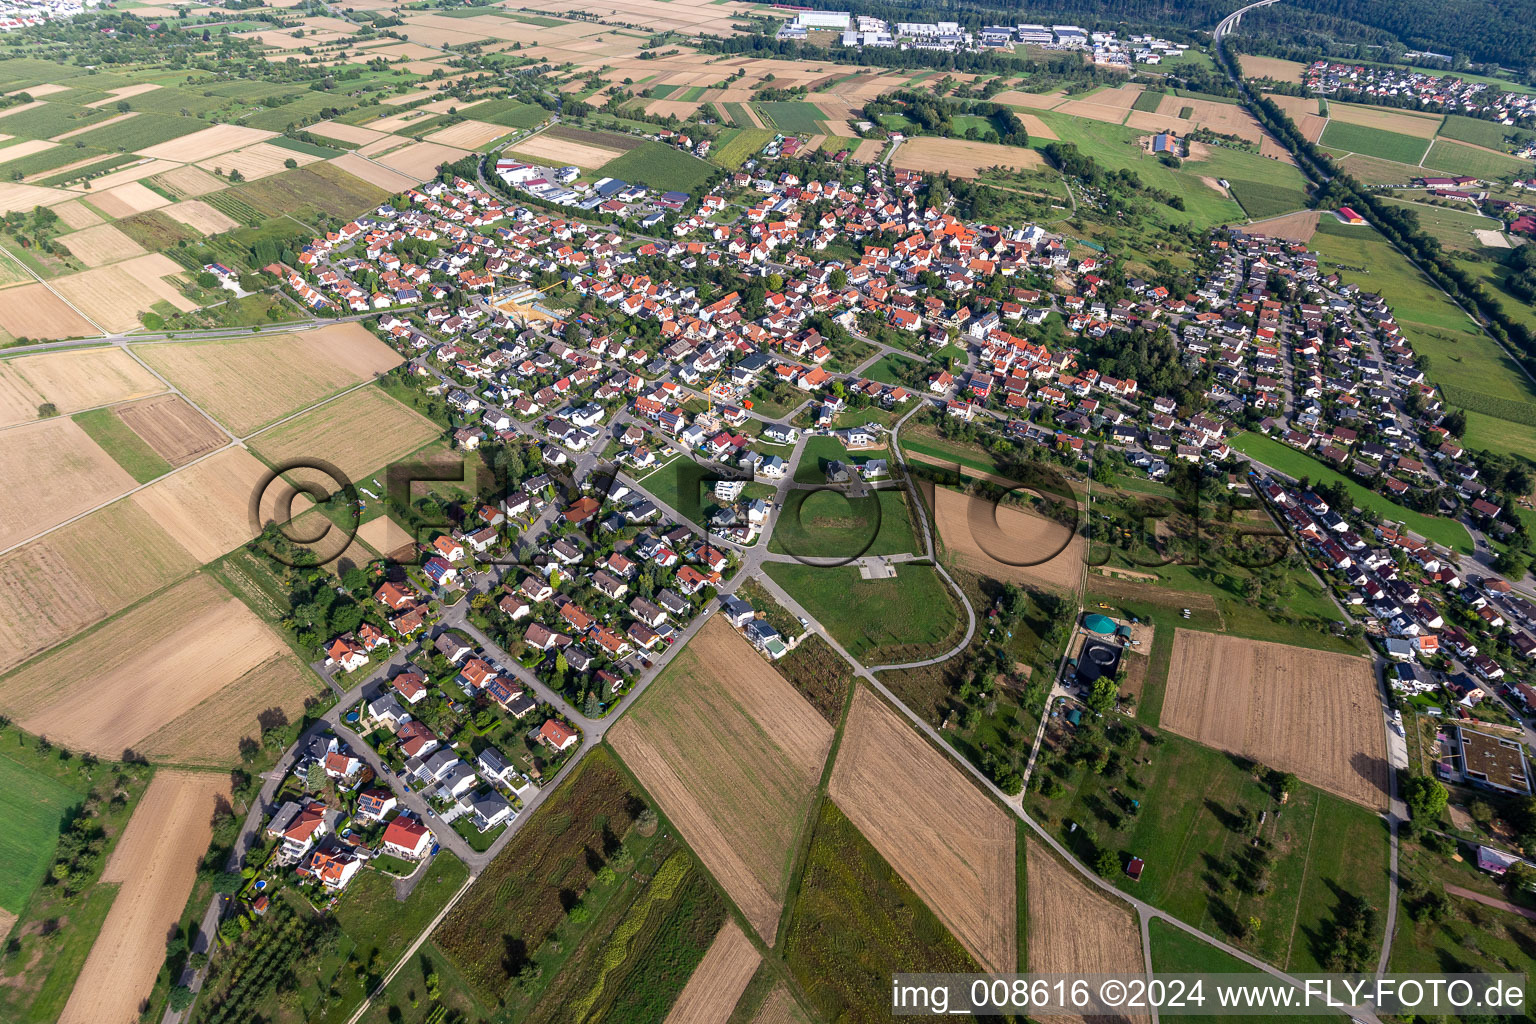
(1355,138)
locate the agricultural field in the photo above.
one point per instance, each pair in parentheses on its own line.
(737,145)
(247,382)
(321,189)
(65,473)
(855,922)
(719,980)
(1074,928)
(791,116)
(659,166)
(154,863)
(1314,714)
(36,807)
(1487,134)
(206,505)
(1388,145)
(908,617)
(70,381)
(171,428)
(36,313)
(1456,158)
(127,448)
(115,296)
(217,731)
(121,682)
(945,838)
(1260,201)
(962,158)
(358,433)
(733,760)
(1007,543)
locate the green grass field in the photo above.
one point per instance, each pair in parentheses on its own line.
(659,166)
(821,449)
(909,617)
(1297,464)
(854,922)
(1452,228)
(826,524)
(127,449)
(35,807)
(793,116)
(736,145)
(1355,138)
(138,132)
(1260,200)
(1175,951)
(1456,158)
(881,369)
(1372,170)
(1478,132)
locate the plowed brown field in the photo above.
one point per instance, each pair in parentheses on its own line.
(175,430)
(1311,713)
(1008,544)
(732,753)
(718,981)
(951,844)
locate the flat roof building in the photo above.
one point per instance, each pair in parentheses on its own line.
(1494,761)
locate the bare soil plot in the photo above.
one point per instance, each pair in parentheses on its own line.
(188,181)
(85,378)
(258,161)
(420,160)
(1007,543)
(122,682)
(345,132)
(245,382)
(76,215)
(546,147)
(1311,713)
(717,983)
(384,535)
(1075,929)
(1388,119)
(1303,111)
(201,217)
(1492,239)
(114,296)
(961,158)
(124,93)
(101,245)
(357,433)
(210,733)
(951,844)
(18,398)
(54,471)
(1271,67)
(867,151)
(374,174)
(1226,118)
(26,147)
(468,134)
(732,753)
(221,138)
(55,586)
(206,507)
(156,862)
(177,432)
(1297,227)
(34,312)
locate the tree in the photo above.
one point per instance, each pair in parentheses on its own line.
(1107,863)
(181,998)
(290,163)
(1425,797)
(1102,697)
(46,410)
(314,777)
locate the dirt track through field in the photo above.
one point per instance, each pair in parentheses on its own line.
(1074,929)
(717,983)
(156,863)
(732,753)
(951,844)
(113,687)
(1311,713)
(1002,542)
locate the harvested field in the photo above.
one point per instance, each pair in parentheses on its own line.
(732,753)
(76,215)
(1387,119)
(115,295)
(206,507)
(16,196)
(345,132)
(156,862)
(1075,929)
(122,682)
(273,693)
(1226,118)
(25,148)
(54,472)
(124,93)
(373,174)
(546,147)
(246,382)
(1271,67)
(384,535)
(18,399)
(468,134)
(357,433)
(717,983)
(1297,227)
(210,142)
(946,839)
(258,161)
(1037,128)
(868,151)
(177,432)
(55,586)
(101,245)
(780,1008)
(201,217)
(960,158)
(1311,713)
(34,312)
(188,181)
(84,378)
(420,160)
(126,197)
(1303,111)
(1008,544)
